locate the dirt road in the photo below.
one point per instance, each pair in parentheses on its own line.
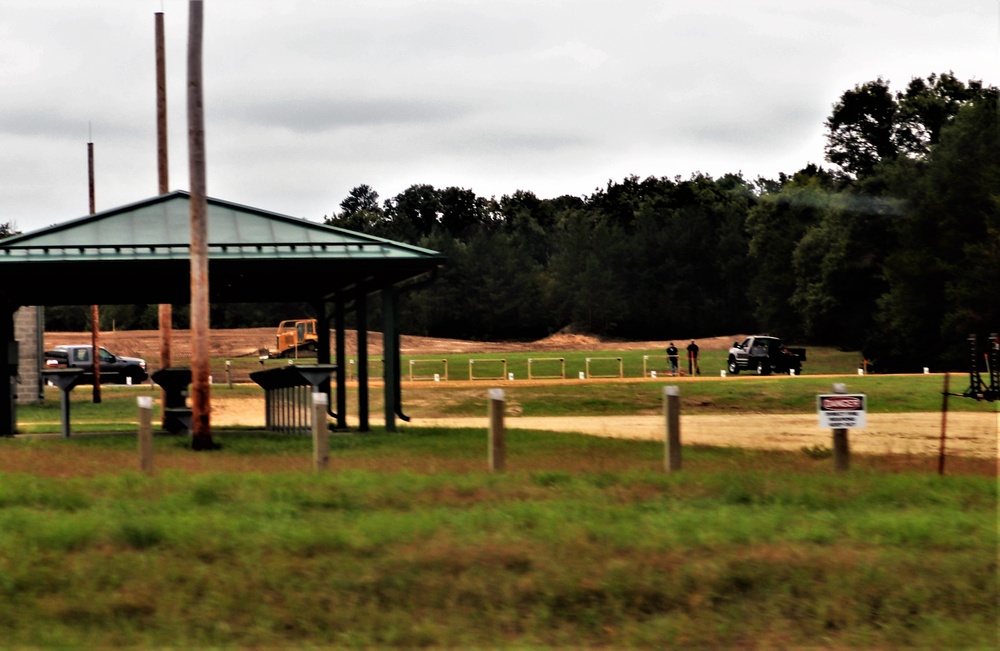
(970,434)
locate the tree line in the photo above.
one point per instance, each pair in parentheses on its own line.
(893,249)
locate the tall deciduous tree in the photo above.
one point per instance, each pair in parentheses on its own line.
(360,211)
(776,225)
(860,129)
(943,278)
(870,126)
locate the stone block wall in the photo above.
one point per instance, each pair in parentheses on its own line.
(29,332)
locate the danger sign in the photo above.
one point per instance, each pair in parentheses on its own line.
(841,411)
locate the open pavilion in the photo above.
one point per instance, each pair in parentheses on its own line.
(140,253)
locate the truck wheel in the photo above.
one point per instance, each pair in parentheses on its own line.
(734,368)
(763,367)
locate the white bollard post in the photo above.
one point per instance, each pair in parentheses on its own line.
(498,442)
(652,374)
(145,434)
(437,377)
(582,376)
(510,377)
(321,434)
(722,374)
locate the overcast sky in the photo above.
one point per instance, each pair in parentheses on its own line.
(306,99)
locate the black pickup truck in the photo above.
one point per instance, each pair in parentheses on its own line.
(114,368)
(765,355)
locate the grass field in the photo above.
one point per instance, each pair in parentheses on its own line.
(821,361)
(750,394)
(408,543)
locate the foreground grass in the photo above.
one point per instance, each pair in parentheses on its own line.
(407,543)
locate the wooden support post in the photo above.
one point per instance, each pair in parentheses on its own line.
(145,434)
(320,432)
(841,445)
(498,436)
(95,318)
(672,413)
(201,405)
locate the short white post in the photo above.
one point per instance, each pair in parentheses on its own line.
(841,445)
(321,434)
(145,434)
(229,373)
(497,443)
(672,412)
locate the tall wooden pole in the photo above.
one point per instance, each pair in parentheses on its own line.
(201,431)
(166,312)
(95,313)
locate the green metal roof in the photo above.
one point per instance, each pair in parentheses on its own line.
(159,228)
(140,253)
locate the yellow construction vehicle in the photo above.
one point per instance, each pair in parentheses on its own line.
(297,337)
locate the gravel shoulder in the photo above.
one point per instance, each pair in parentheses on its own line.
(969,434)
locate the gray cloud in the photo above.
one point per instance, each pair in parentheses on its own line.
(308,98)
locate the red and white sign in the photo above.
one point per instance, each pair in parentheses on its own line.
(841,411)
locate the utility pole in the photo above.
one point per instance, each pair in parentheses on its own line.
(201,431)
(166,312)
(95,312)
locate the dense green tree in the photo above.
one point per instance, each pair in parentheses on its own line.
(465,215)
(360,211)
(860,131)
(413,213)
(869,126)
(927,106)
(942,279)
(776,225)
(837,268)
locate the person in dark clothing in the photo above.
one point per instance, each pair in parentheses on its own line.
(672,356)
(693,366)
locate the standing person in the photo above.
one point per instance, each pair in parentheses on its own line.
(693,366)
(672,356)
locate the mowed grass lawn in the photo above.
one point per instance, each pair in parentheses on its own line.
(407,542)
